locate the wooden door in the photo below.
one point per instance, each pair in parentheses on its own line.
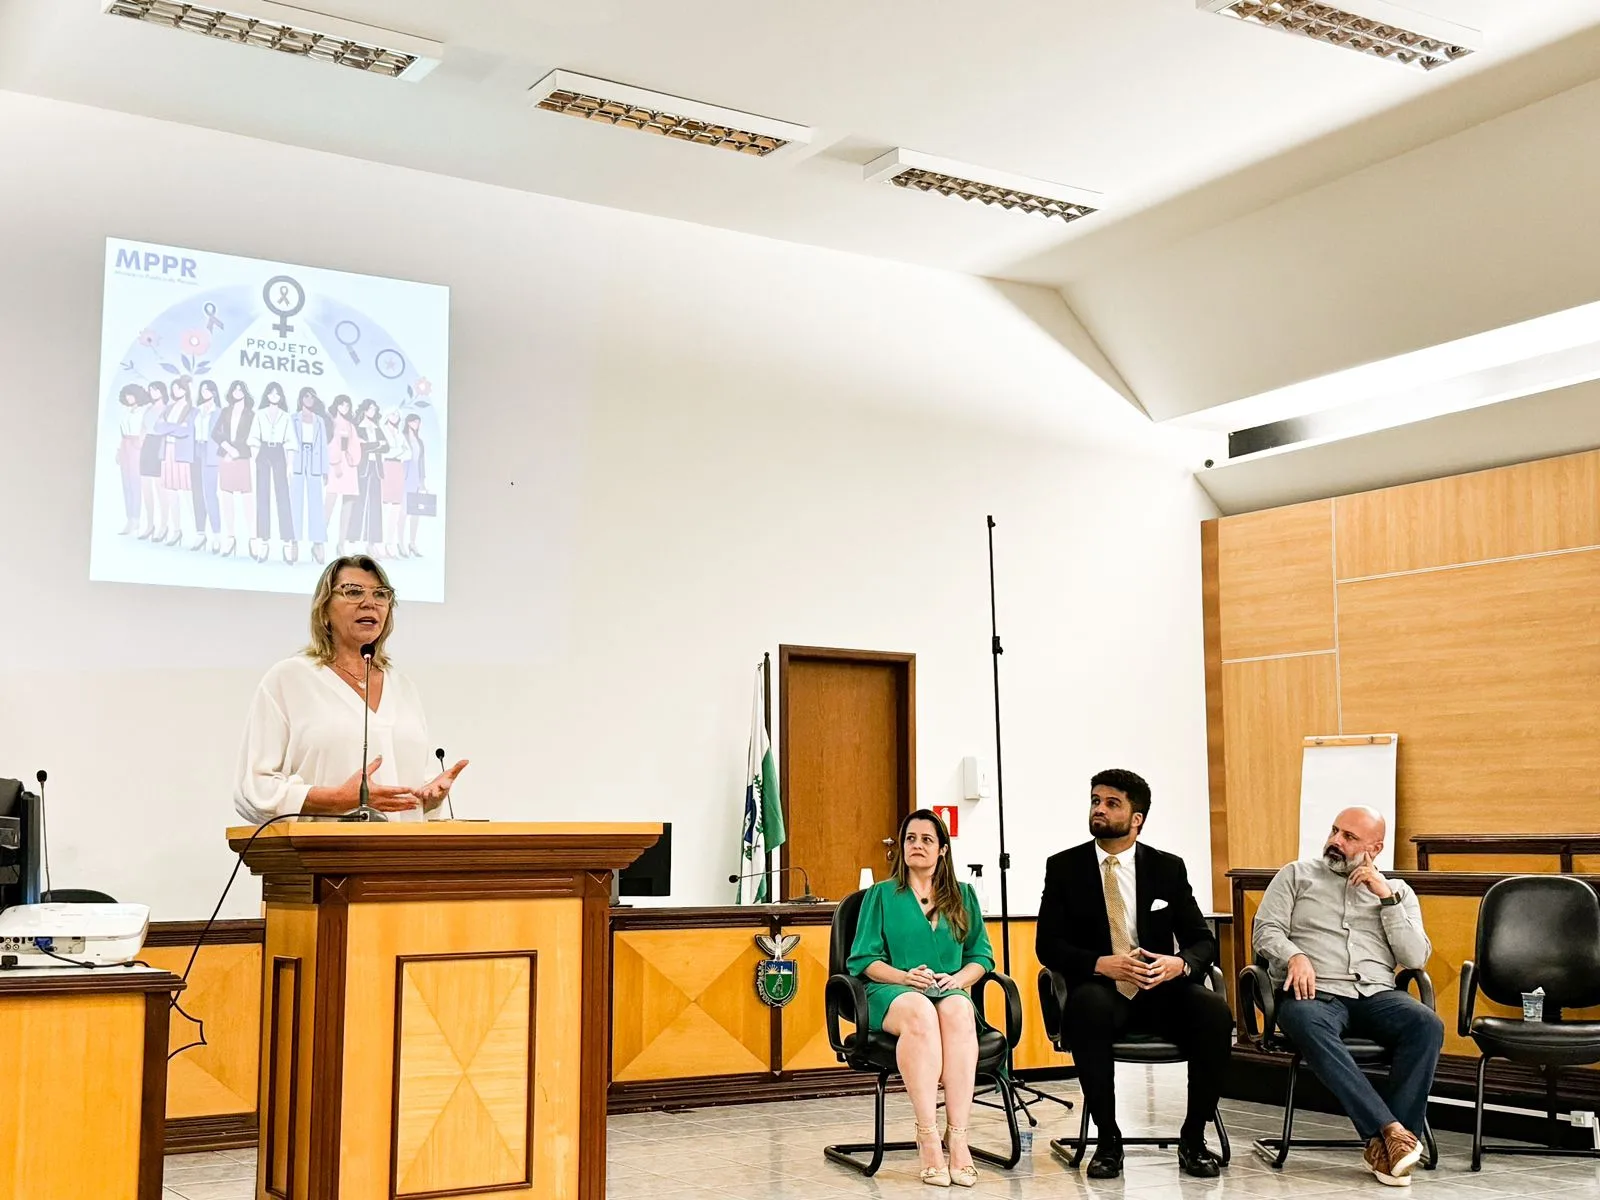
(847,746)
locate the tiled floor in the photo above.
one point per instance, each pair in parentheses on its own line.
(774,1152)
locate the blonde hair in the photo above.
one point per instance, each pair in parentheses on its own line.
(321,648)
(947,899)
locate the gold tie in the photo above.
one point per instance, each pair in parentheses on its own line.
(1117,915)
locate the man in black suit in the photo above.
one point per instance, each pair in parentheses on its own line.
(1112,913)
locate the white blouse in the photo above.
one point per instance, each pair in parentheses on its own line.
(304,731)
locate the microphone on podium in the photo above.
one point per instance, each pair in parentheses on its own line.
(439,754)
(364,810)
(808,898)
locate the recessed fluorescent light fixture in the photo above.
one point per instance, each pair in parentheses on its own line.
(1380,29)
(674,117)
(296,31)
(946,177)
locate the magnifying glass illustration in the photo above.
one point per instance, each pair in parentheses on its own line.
(349,333)
(391,364)
(285,297)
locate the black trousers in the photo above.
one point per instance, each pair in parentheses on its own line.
(1184,1012)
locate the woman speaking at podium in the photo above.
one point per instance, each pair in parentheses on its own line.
(302,744)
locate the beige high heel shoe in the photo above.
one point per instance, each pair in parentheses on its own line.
(932,1176)
(966,1176)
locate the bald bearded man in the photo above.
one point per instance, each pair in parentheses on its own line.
(1334,931)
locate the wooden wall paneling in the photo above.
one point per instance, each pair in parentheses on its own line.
(684,1004)
(224,990)
(1491,676)
(1034,1050)
(380,936)
(1530,508)
(1498,864)
(1216,741)
(1270,706)
(1275,571)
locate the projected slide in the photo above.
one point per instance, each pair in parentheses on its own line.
(257,419)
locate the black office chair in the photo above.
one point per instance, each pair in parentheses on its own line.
(1133,1047)
(1536,931)
(1257,993)
(75,896)
(874,1050)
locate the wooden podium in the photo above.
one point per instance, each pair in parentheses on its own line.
(435,1007)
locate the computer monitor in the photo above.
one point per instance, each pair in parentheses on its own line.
(651,872)
(21,828)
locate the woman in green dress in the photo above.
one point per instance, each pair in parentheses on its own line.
(920,944)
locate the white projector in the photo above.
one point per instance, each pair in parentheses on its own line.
(102,934)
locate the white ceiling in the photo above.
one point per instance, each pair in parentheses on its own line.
(1143,100)
(1184,120)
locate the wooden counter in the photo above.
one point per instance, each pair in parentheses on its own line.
(688,1028)
(84,1105)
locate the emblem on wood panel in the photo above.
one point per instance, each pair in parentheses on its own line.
(776,977)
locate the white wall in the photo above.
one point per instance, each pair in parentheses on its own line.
(760,443)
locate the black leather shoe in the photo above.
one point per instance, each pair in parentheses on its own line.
(1107,1161)
(1194,1159)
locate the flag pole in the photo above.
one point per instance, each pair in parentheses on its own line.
(766,701)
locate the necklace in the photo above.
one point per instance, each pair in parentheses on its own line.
(361,684)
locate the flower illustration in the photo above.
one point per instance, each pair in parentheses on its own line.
(149,340)
(195,341)
(423,388)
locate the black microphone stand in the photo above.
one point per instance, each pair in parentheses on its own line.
(1018,1088)
(364,810)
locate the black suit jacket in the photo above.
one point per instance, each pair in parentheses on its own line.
(1073,930)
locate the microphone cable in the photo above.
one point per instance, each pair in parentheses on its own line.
(200,1025)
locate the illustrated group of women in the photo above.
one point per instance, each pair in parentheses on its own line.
(191,456)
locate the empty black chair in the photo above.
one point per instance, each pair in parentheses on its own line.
(872,1050)
(75,896)
(1536,931)
(1257,993)
(1132,1047)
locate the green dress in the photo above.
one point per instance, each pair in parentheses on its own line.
(892,929)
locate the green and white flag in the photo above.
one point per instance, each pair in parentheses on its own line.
(762,831)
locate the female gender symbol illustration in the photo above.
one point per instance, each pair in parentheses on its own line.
(284,296)
(349,333)
(391,364)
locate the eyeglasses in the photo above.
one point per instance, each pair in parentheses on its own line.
(355,593)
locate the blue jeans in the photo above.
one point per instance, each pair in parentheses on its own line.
(1394,1019)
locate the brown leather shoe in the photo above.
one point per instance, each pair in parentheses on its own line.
(1376,1157)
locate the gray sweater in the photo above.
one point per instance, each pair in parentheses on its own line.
(1309,909)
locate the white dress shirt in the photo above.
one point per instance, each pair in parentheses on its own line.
(1127,883)
(304,731)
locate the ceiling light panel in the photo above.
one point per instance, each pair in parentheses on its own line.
(1385,31)
(1017,193)
(673,117)
(296,31)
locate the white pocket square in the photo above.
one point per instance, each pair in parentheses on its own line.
(1157,905)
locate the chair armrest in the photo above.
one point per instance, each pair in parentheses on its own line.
(845,996)
(1215,981)
(1258,1004)
(1469,997)
(1013,1003)
(1424,984)
(1051,1003)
